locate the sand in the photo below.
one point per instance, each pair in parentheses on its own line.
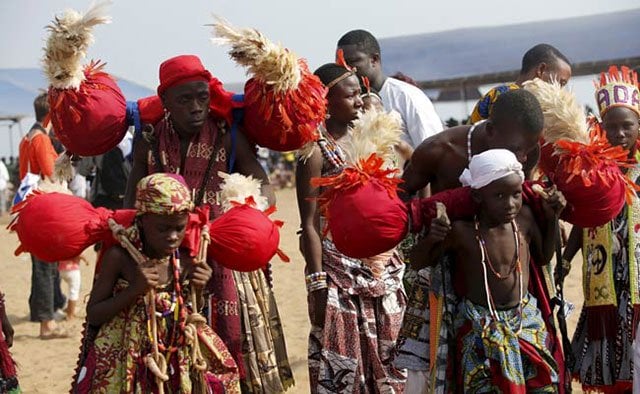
(47,366)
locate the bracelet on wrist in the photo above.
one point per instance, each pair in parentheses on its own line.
(316,281)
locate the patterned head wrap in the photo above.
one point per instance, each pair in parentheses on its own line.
(618,88)
(163,194)
(490,166)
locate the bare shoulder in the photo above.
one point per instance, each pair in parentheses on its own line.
(461,230)
(115,260)
(526,220)
(311,160)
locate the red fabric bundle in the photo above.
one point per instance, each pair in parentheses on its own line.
(57,226)
(220,104)
(245,238)
(367,220)
(284,121)
(590,178)
(91,120)
(365,215)
(458,202)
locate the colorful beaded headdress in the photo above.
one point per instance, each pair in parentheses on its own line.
(618,88)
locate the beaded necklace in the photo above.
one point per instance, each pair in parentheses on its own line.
(179,314)
(330,149)
(483,246)
(469,133)
(518,269)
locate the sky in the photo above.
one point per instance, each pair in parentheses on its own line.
(146,32)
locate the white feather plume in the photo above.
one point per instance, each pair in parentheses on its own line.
(63,168)
(269,62)
(373,132)
(70,35)
(307,150)
(237,187)
(564,118)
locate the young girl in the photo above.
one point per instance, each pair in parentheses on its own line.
(121,351)
(355,309)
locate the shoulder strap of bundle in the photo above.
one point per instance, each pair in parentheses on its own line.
(238,115)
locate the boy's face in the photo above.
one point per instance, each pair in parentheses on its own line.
(163,234)
(501,200)
(621,125)
(188,105)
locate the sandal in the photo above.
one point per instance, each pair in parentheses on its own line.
(57,333)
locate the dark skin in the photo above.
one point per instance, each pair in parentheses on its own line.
(161,236)
(344,103)
(7,329)
(188,105)
(500,202)
(621,127)
(439,160)
(367,65)
(558,70)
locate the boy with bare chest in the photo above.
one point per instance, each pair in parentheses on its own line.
(500,334)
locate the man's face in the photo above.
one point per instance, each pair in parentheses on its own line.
(514,137)
(558,70)
(621,126)
(188,105)
(344,100)
(163,234)
(501,200)
(366,65)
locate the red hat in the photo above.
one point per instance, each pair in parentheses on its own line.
(181,69)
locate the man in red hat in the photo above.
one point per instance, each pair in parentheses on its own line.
(197,139)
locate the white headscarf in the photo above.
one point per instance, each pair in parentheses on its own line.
(490,166)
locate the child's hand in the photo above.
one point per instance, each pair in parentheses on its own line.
(146,278)
(440,225)
(200,275)
(553,201)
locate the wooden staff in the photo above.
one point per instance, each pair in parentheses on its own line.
(156,362)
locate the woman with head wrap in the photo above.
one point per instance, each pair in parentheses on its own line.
(355,308)
(501,336)
(139,337)
(602,341)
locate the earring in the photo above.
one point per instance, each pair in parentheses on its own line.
(167,114)
(327,116)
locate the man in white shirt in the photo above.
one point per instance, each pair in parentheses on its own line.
(420,120)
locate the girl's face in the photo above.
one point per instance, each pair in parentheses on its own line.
(163,234)
(344,100)
(621,125)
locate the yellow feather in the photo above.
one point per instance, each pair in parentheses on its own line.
(373,132)
(564,118)
(67,44)
(236,188)
(271,63)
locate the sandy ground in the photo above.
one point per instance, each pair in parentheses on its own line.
(47,366)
